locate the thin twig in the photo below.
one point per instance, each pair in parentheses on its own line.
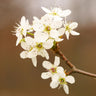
(85,73)
(72,66)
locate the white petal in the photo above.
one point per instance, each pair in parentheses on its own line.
(54,84)
(25,46)
(48,44)
(60,70)
(70,79)
(73,25)
(66,13)
(46,10)
(47,65)
(46,75)
(18,40)
(66,88)
(46,19)
(22,20)
(74,33)
(58,39)
(23,54)
(54,33)
(67,34)
(56,24)
(46,55)
(35,18)
(43,53)
(56,61)
(30,41)
(38,25)
(55,77)
(34,60)
(24,32)
(57,18)
(27,22)
(61,31)
(41,36)
(18,34)
(32,53)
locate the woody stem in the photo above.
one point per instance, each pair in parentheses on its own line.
(72,66)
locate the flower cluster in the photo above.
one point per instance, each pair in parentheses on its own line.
(57,74)
(43,34)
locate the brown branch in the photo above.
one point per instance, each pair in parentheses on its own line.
(85,73)
(72,66)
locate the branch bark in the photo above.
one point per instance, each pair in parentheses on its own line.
(74,69)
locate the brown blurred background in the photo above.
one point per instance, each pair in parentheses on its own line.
(18,77)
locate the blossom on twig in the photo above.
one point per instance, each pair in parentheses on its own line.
(61,79)
(44,34)
(52,68)
(57,74)
(57,12)
(34,47)
(22,29)
(69,29)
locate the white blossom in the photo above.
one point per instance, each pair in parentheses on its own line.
(57,12)
(22,29)
(34,47)
(57,74)
(61,79)
(37,25)
(52,68)
(49,26)
(46,32)
(69,29)
(49,20)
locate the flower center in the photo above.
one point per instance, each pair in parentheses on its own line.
(39,45)
(54,13)
(47,28)
(62,81)
(53,70)
(68,28)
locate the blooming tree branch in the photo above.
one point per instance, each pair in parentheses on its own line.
(44,34)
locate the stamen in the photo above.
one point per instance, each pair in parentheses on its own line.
(53,70)
(39,45)
(48,28)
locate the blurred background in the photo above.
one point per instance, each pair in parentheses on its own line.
(18,77)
